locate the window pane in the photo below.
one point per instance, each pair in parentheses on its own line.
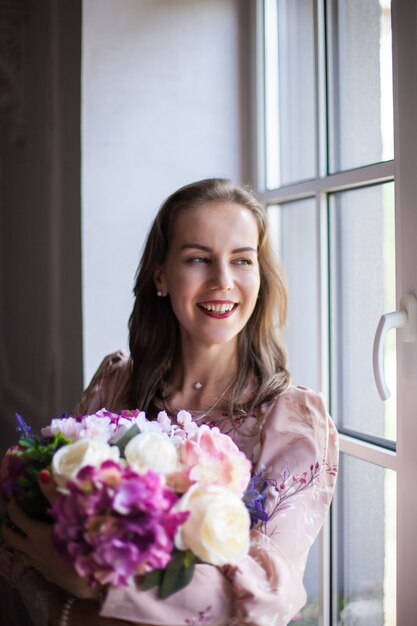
(298,222)
(290,91)
(361,84)
(365,558)
(310,614)
(362,268)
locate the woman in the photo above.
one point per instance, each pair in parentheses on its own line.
(209,303)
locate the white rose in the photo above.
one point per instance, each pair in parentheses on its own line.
(68,426)
(97,427)
(70,459)
(217,529)
(152,450)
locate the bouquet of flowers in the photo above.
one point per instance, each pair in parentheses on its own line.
(138,499)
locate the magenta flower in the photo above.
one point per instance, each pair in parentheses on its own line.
(12,469)
(115,523)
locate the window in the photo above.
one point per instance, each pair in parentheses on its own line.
(335,198)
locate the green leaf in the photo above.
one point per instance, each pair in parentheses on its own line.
(26,443)
(32,471)
(124,439)
(178,574)
(152,579)
(25,483)
(189,558)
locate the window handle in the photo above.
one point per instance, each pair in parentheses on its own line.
(406,319)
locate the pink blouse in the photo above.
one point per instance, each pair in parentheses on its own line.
(297,444)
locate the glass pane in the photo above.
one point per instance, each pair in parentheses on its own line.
(290,91)
(310,614)
(366,554)
(298,222)
(362,110)
(362,268)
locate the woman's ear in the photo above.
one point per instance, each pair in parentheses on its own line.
(160,282)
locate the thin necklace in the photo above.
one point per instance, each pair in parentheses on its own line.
(210,409)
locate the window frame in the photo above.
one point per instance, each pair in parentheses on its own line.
(400,458)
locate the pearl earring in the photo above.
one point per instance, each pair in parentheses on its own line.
(159,293)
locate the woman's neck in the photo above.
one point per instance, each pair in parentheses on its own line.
(202,376)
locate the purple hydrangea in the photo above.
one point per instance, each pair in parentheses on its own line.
(115,523)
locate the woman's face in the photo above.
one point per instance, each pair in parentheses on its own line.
(211,273)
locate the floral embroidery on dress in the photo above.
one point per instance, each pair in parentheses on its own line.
(290,486)
(203,618)
(298,414)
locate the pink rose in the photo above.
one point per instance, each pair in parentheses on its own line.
(211,458)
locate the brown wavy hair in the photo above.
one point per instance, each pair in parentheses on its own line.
(154,338)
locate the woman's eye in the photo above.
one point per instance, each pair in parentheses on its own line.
(243,261)
(197,259)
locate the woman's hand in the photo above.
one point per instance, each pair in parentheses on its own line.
(32,539)
(32,547)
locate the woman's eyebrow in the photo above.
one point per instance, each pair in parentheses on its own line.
(244,249)
(199,246)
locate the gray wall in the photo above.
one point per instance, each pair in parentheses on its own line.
(164,102)
(159,98)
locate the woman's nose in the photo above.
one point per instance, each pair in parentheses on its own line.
(221,277)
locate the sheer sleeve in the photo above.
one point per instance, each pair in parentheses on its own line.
(107,386)
(299,454)
(30,605)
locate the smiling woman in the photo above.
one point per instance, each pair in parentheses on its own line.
(213,283)
(222,303)
(204,336)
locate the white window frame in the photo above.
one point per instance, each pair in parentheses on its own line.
(402,170)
